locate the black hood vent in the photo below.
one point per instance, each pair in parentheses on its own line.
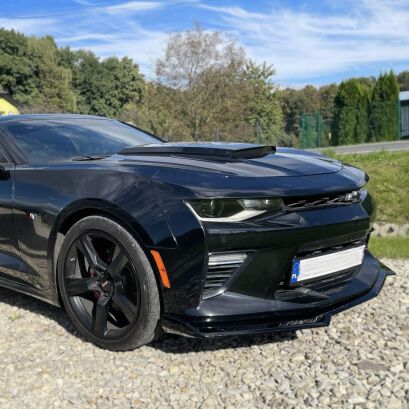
(217,151)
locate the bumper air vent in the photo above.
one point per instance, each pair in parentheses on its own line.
(221,267)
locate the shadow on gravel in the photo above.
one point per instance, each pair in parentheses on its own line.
(37,306)
(174,344)
(168,343)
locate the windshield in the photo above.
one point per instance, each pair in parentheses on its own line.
(44,141)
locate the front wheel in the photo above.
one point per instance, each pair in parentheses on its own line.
(107,285)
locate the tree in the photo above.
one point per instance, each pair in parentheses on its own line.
(154,115)
(307,100)
(403,80)
(365,86)
(52,82)
(190,55)
(125,83)
(206,84)
(327,95)
(30,73)
(292,108)
(264,105)
(346,113)
(351,108)
(103,87)
(383,122)
(88,80)
(16,77)
(196,77)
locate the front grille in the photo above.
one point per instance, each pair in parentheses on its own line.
(312,202)
(221,267)
(333,284)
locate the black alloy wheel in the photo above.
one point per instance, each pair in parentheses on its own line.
(107,285)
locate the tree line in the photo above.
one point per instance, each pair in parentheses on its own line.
(357,110)
(205,88)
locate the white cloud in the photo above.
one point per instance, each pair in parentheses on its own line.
(132,6)
(305,45)
(86,37)
(121,34)
(141,45)
(83,2)
(28,25)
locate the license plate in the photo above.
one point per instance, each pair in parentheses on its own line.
(306,269)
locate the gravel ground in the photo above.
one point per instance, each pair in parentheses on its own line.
(361,360)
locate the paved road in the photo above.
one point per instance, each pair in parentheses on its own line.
(370,147)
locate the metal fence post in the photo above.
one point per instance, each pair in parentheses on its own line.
(319,127)
(398,120)
(257,131)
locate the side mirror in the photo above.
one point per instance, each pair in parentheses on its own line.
(4,173)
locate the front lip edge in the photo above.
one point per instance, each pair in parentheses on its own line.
(173,325)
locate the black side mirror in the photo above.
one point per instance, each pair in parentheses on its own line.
(4,173)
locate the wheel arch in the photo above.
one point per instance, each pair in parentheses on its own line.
(89,207)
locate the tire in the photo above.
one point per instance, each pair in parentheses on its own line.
(107,285)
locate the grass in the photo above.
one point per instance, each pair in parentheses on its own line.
(389,184)
(389,181)
(389,247)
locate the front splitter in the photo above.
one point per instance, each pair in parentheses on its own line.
(268,323)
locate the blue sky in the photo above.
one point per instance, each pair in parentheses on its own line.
(307,41)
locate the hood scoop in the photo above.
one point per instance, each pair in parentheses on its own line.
(209,151)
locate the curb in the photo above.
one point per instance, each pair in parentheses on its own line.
(390,230)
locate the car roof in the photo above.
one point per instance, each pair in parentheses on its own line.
(46,117)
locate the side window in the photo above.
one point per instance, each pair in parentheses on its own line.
(3,157)
(42,142)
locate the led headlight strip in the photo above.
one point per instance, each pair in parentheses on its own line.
(233,210)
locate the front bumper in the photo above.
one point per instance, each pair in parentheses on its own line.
(233,313)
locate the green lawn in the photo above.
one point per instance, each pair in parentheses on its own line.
(389,182)
(391,247)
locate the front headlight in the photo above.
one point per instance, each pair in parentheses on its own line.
(233,210)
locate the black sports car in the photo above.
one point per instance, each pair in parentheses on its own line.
(133,235)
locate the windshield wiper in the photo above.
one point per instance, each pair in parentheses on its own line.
(88,157)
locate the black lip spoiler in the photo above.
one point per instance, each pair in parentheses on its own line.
(208,151)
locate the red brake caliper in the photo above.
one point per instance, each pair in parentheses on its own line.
(93,274)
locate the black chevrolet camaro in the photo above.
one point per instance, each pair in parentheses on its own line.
(133,235)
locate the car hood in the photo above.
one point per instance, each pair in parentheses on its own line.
(233,159)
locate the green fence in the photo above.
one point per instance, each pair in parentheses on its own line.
(315,131)
(384,121)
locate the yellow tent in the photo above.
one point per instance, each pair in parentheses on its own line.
(7,105)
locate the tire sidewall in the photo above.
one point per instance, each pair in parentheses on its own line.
(143,329)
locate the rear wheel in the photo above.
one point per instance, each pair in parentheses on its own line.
(107,285)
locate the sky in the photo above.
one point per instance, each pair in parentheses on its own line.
(308,41)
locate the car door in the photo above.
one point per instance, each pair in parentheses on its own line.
(10,261)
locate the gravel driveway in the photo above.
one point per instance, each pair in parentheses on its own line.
(361,360)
